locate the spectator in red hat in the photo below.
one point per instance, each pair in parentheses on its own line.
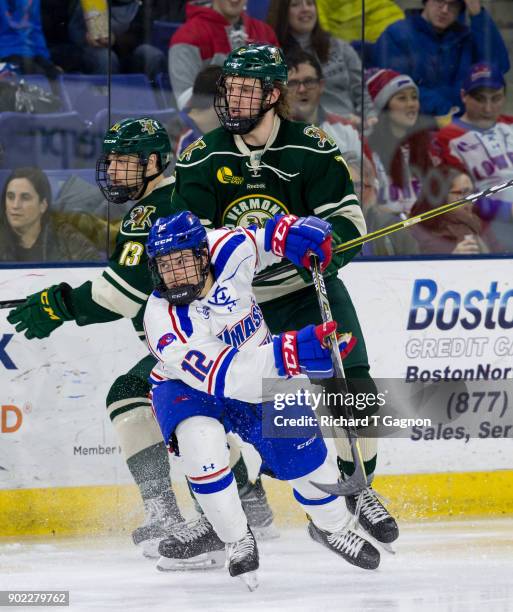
(436,48)
(400,140)
(480,143)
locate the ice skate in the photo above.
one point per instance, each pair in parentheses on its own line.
(191,545)
(257,510)
(242,560)
(161,514)
(374,517)
(348,544)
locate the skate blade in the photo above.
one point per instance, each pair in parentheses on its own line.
(265,533)
(386,547)
(250,579)
(383,545)
(207,561)
(150,548)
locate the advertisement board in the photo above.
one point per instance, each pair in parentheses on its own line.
(422,320)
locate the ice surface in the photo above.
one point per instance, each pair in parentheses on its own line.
(452,567)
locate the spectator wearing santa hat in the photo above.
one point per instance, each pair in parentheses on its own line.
(400,140)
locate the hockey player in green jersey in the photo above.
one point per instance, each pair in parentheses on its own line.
(257,165)
(136,154)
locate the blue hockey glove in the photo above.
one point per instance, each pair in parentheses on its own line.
(306,351)
(42,313)
(296,237)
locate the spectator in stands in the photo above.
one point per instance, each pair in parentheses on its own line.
(376,216)
(207,36)
(436,49)
(344,19)
(127,49)
(199,116)
(400,140)
(480,143)
(28,231)
(460,231)
(297,25)
(305,87)
(22,41)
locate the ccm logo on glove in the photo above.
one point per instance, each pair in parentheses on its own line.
(289,353)
(280,233)
(297,237)
(47,308)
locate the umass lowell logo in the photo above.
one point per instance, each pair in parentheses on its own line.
(237,334)
(221,297)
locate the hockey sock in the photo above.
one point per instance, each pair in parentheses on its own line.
(220,502)
(328,512)
(368,446)
(150,470)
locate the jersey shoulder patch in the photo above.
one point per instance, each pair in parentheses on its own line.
(189,152)
(321,138)
(143,214)
(307,136)
(138,220)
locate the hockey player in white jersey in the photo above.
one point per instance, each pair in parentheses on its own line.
(213,349)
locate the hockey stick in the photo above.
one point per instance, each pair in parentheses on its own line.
(10,303)
(358,480)
(395,227)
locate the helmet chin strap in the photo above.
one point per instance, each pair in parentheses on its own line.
(144,187)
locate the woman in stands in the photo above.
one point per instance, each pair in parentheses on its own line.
(296,24)
(29,232)
(400,141)
(459,232)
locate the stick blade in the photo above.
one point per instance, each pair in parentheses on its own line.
(342,488)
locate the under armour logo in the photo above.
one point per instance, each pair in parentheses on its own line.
(208,467)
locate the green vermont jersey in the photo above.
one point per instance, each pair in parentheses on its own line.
(125,285)
(300,171)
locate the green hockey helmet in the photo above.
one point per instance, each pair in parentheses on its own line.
(235,106)
(121,171)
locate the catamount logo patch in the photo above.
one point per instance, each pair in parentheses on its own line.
(148,125)
(316,132)
(139,218)
(188,151)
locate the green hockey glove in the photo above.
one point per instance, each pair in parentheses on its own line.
(43,312)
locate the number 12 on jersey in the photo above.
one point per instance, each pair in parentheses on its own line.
(194,363)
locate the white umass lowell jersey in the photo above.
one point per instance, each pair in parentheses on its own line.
(486,155)
(218,344)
